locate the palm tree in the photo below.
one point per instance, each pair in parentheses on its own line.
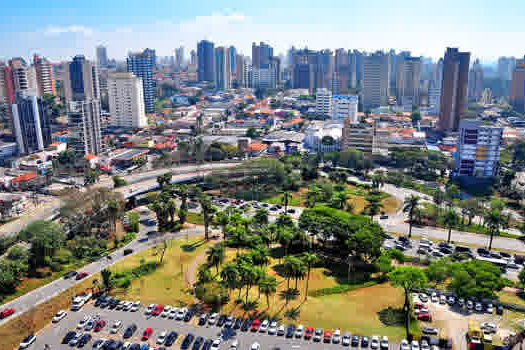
(230,276)
(286,199)
(339,200)
(216,256)
(493,220)
(114,211)
(374,206)
(288,269)
(268,286)
(309,259)
(410,206)
(299,271)
(222,219)
(285,238)
(313,195)
(450,221)
(207,210)
(107,280)
(288,294)
(182,191)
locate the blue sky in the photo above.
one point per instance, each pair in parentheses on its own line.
(60,29)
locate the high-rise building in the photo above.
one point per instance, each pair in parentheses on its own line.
(141,64)
(44,76)
(223,76)
(179,58)
(359,136)
(206,61)
(323,108)
(454,89)
(376,80)
(102,56)
(233,59)
(408,73)
(247,71)
(312,69)
(23,76)
(475,81)
(478,149)
(126,101)
(517,90)
(82,91)
(506,67)
(239,71)
(32,126)
(344,108)
(262,55)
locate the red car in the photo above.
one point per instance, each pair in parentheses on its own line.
(100,325)
(147,334)
(255,325)
(425,317)
(327,336)
(81,275)
(157,310)
(7,312)
(308,333)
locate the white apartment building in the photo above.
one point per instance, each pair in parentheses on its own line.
(126,101)
(323,137)
(323,106)
(344,108)
(478,149)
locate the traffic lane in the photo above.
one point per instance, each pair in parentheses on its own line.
(53,334)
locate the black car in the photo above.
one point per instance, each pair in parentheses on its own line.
(113,303)
(188,316)
(117,345)
(70,274)
(499,310)
(444,245)
(206,345)
(221,320)
(446,250)
(203,319)
(355,340)
(108,344)
(238,322)
(505,255)
(68,337)
(128,251)
(134,347)
(129,331)
(105,302)
(84,340)
(483,252)
(495,255)
(246,325)
(99,301)
(170,339)
(364,342)
(198,343)
(187,341)
(290,331)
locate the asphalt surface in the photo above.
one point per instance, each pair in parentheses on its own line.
(53,333)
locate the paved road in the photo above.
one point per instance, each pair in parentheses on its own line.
(53,334)
(44,293)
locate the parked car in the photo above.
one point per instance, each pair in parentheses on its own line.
(157,310)
(98,344)
(146,334)
(7,312)
(374,344)
(246,325)
(318,334)
(188,316)
(187,341)
(229,322)
(59,316)
(336,336)
(414,345)
(264,326)
(404,345)
(203,319)
(212,319)
(281,330)
(67,338)
(238,323)
(30,339)
(299,331)
(355,340)
(290,330)
(86,338)
(364,342)
(478,307)
(308,333)
(216,344)
(424,316)
(327,336)
(70,274)
(116,326)
(197,344)
(384,343)
(181,313)
(170,339)
(346,339)
(207,345)
(221,320)
(423,297)
(129,331)
(255,346)
(81,275)
(100,324)
(162,337)
(430,330)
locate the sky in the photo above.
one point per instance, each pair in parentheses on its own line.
(60,29)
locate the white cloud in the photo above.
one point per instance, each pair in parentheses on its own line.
(55,30)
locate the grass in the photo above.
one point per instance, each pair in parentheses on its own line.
(511,297)
(195,218)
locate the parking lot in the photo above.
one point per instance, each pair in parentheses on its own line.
(53,334)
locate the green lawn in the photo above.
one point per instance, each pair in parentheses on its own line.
(195,218)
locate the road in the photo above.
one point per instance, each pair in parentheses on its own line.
(54,333)
(44,293)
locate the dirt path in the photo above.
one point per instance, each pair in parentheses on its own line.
(191,271)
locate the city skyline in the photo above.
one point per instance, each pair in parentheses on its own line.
(423,29)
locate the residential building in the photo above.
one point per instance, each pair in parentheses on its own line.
(506,67)
(475,81)
(239,71)
(141,65)
(179,58)
(262,55)
(126,101)
(22,75)
(323,103)
(6,95)
(376,80)
(264,78)
(312,69)
(454,89)
(102,56)
(408,75)
(247,74)
(358,136)
(517,90)
(478,149)
(223,76)
(82,93)
(44,76)
(32,125)
(344,108)
(206,61)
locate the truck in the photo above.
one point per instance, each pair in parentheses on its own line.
(474,335)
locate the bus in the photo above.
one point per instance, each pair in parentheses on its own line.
(497,262)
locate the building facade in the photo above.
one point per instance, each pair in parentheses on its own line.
(205,61)
(141,65)
(344,108)
(323,106)
(223,76)
(475,81)
(44,76)
(517,90)
(102,56)
(358,136)
(376,80)
(408,76)
(126,101)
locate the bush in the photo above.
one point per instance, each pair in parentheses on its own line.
(55,266)
(18,254)
(342,288)
(118,181)
(63,257)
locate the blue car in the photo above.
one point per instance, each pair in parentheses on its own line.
(290,331)
(144,347)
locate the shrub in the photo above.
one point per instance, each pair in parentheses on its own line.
(342,288)
(55,266)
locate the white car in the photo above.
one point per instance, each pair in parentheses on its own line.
(162,337)
(488,327)
(374,343)
(443,299)
(234,345)
(346,339)
(336,336)
(116,326)
(173,314)
(99,344)
(414,345)
(280,330)
(461,302)
(216,344)
(451,300)
(404,345)
(299,331)
(423,297)
(273,328)
(490,309)
(478,307)
(150,308)
(470,305)
(135,307)
(59,316)
(30,339)
(255,346)
(424,345)
(126,346)
(83,322)
(166,311)
(384,343)
(434,297)
(264,326)
(181,313)
(212,319)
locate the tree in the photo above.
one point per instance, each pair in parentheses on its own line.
(285,238)
(410,206)
(107,280)
(366,242)
(476,279)
(115,210)
(313,195)
(339,200)
(415,116)
(252,133)
(494,220)
(438,198)
(45,238)
(409,279)
(216,255)
(374,205)
(260,217)
(207,211)
(438,271)
(521,276)
(182,192)
(230,276)
(268,286)
(222,219)
(450,221)
(118,181)
(90,177)
(286,199)
(384,265)
(164,180)
(309,259)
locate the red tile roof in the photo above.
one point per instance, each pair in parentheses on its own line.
(25,177)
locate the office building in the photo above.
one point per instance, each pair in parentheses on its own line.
(264,78)
(475,81)
(478,149)
(344,108)
(102,56)
(141,65)
(206,61)
(247,73)
(239,71)
(454,89)
(223,76)
(44,76)
(408,76)
(323,107)
(82,91)
(126,101)
(517,90)
(506,67)
(262,55)
(376,80)
(179,58)
(32,126)
(312,69)
(359,136)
